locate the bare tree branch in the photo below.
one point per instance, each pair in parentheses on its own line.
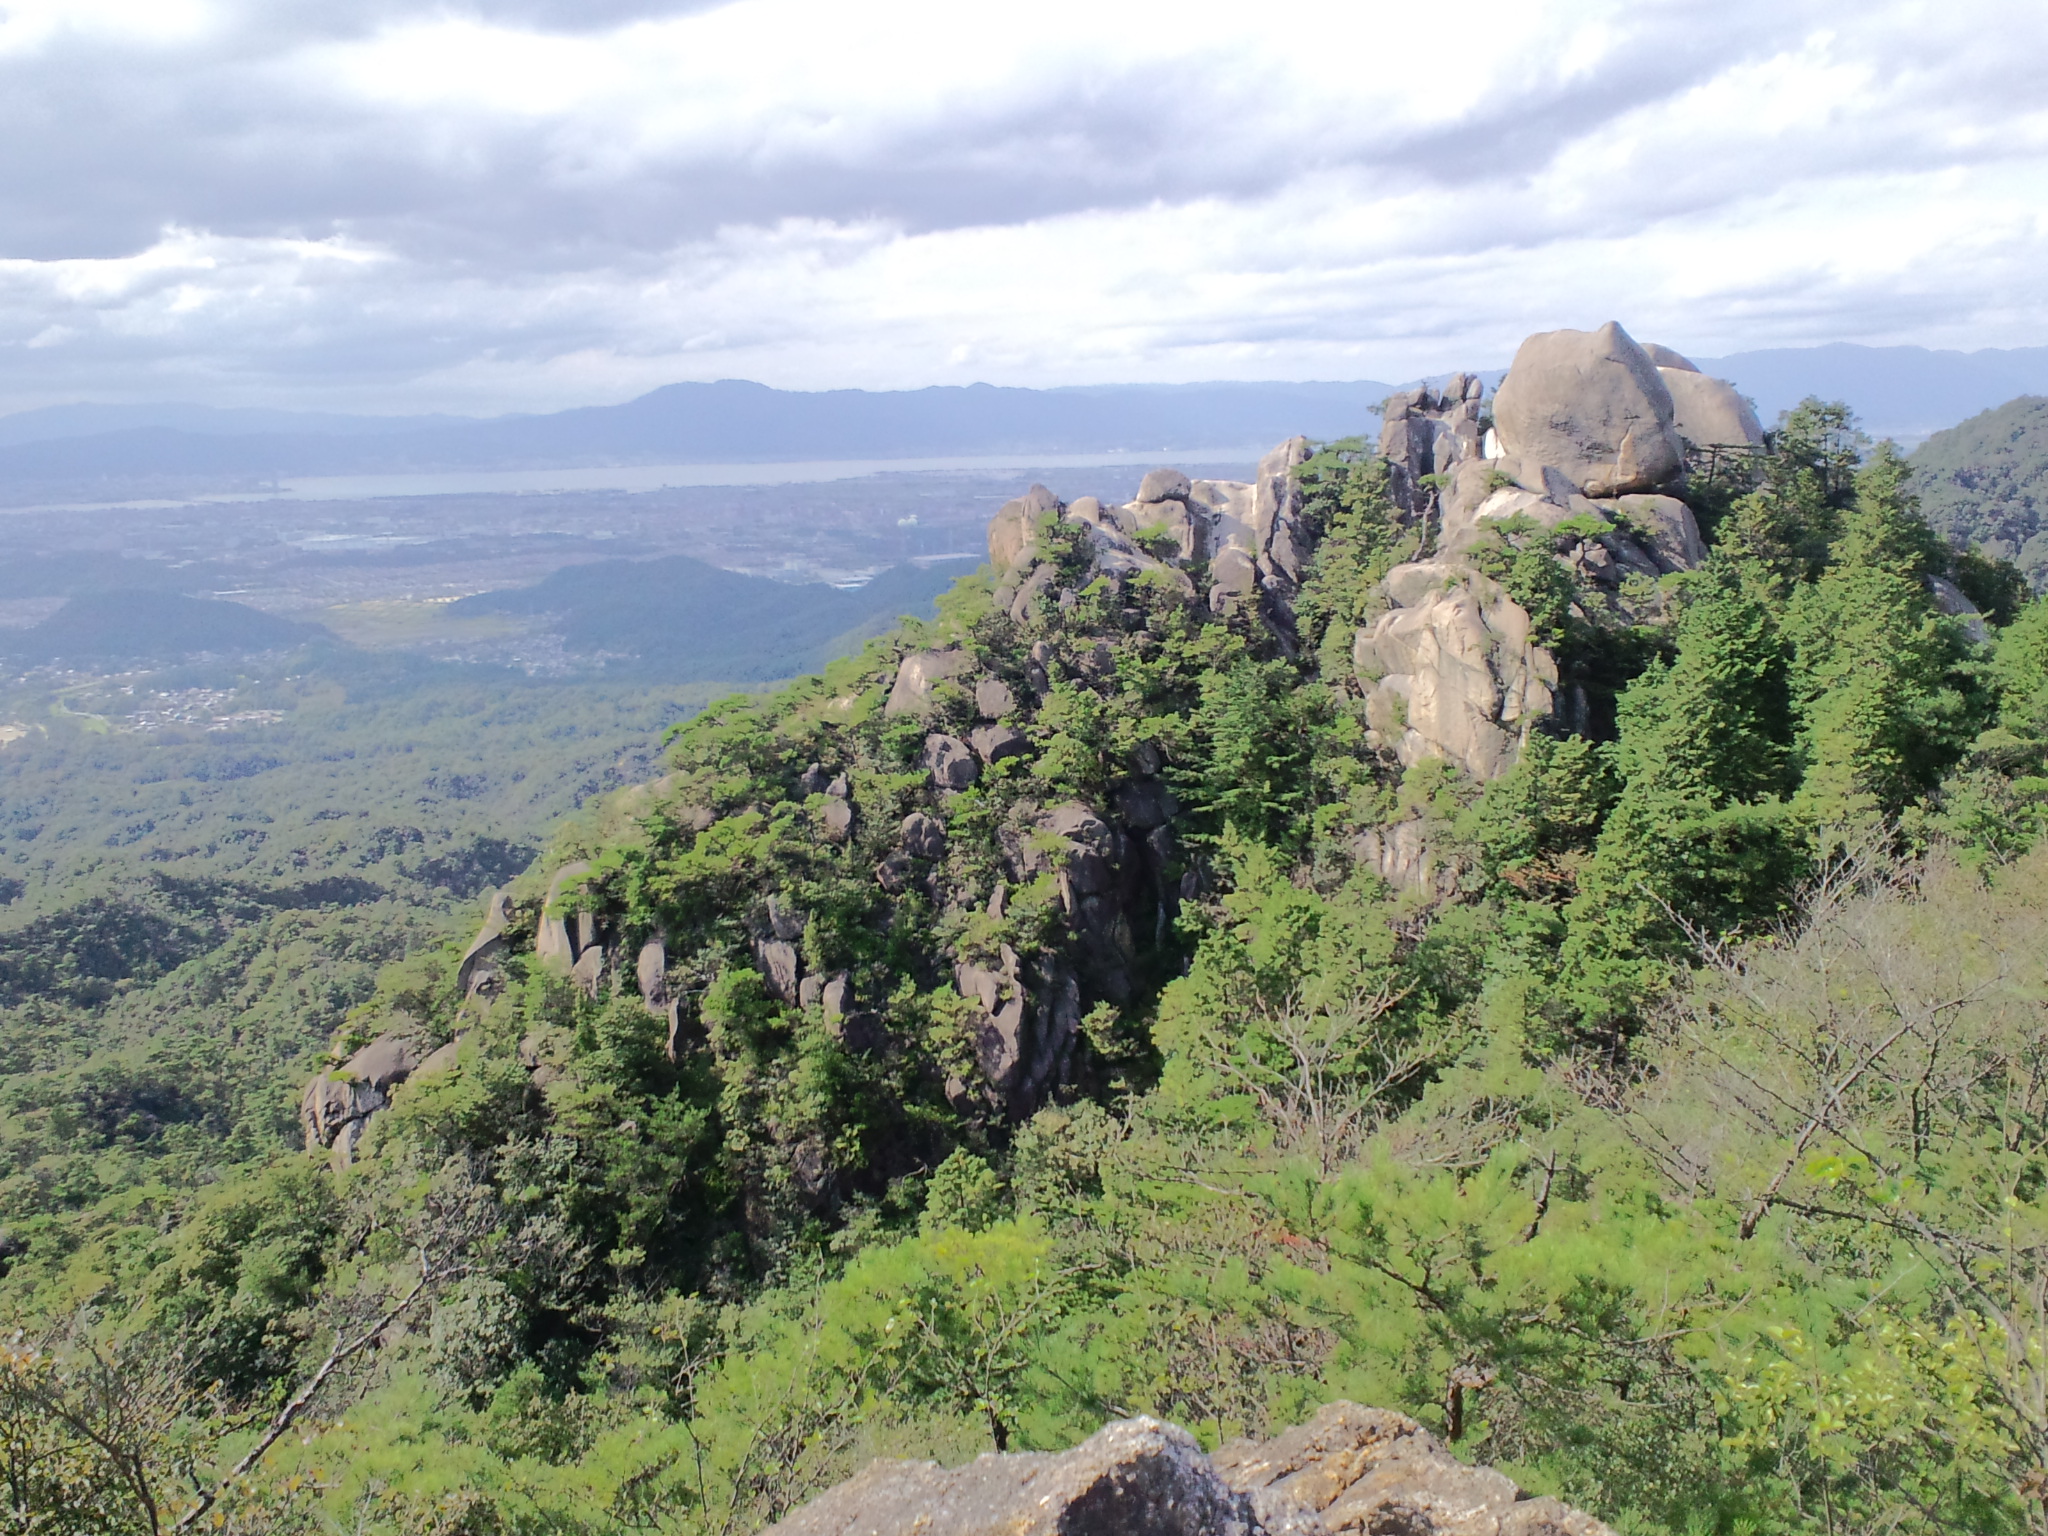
(297,1404)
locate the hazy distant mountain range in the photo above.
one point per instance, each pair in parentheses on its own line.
(111,450)
(726,422)
(674,617)
(1902,392)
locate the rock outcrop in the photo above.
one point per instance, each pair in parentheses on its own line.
(1348,1470)
(563,935)
(1372,1471)
(1012,530)
(1250,534)
(951,762)
(994,699)
(650,975)
(481,969)
(1450,670)
(1651,535)
(572,937)
(919,674)
(336,1107)
(1589,441)
(1400,853)
(1431,432)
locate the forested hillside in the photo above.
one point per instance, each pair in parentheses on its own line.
(1499,953)
(202,870)
(1986,482)
(678,619)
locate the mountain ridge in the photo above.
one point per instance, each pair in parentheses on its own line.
(732,421)
(1904,392)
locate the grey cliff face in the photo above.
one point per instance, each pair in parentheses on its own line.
(1348,1470)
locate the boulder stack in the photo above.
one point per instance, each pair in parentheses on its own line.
(1249,535)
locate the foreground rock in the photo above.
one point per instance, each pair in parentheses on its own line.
(1349,1469)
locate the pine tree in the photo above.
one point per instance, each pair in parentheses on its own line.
(1782,530)
(1876,679)
(1698,838)
(2021,672)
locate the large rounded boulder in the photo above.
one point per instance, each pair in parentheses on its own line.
(1708,412)
(1592,405)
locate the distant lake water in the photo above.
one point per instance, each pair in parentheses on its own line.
(655,477)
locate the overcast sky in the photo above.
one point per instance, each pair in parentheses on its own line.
(536,203)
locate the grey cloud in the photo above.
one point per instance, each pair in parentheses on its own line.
(516,241)
(119,144)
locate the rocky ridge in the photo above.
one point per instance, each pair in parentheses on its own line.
(1349,1469)
(1587,439)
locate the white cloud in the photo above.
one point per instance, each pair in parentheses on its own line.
(436,209)
(27,26)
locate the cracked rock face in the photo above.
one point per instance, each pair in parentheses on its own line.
(1348,1470)
(1451,672)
